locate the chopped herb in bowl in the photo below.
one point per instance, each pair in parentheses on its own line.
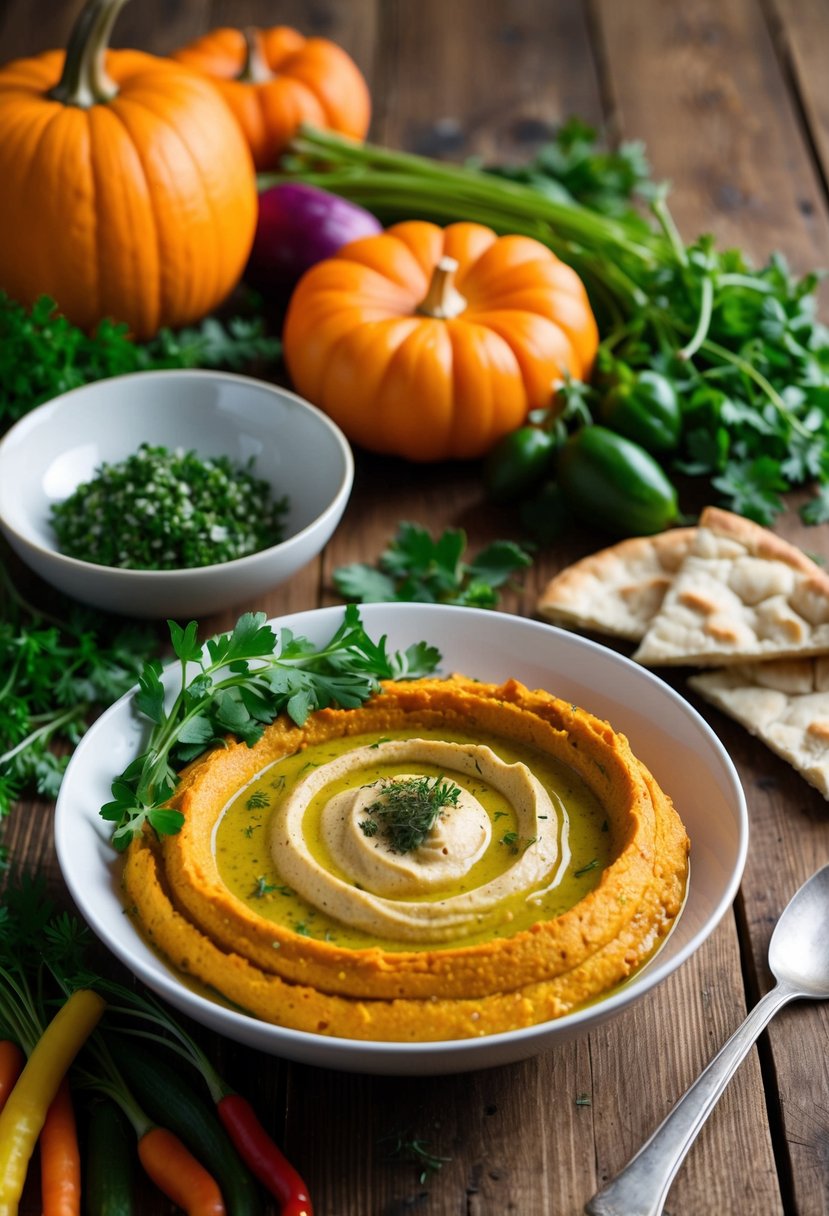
(168,510)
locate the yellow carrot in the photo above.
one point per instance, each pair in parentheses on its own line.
(22,1117)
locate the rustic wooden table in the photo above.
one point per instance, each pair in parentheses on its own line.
(732,100)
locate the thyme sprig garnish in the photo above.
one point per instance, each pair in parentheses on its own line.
(243,680)
(408,809)
(405,1146)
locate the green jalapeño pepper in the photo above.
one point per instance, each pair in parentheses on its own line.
(615,484)
(645,409)
(517,463)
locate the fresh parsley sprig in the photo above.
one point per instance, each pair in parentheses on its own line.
(42,354)
(243,679)
(54,673)
(417,568)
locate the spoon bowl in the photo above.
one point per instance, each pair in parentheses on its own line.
(799,946)
(799,960)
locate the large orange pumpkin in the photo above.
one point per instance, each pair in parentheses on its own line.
(276,79)
(432,343)
(128,190)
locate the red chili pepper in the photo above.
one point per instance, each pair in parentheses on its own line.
(262,1157)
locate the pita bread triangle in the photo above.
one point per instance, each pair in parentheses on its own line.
(742,593)
(784,702)
(618,590)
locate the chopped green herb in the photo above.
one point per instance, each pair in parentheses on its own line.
(257,801)
(164,510)
(376,744)
(583,1100)
(406,1147)
(249,830)
(262,888)
(408,809)
(591,865)
(510,839)
(499,815)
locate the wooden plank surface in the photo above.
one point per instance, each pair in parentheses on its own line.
(731,100)
(708,89)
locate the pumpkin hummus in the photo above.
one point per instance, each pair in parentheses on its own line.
(486,921)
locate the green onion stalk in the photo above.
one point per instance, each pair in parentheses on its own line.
(614,256)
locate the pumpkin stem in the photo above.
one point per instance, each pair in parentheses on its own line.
(84,81)
(255,69)
(443,299)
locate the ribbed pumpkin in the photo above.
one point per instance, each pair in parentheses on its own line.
(128,190)
(276,79)
(432,343)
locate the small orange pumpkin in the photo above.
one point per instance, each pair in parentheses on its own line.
(128,189)
(433,343)
(274,80)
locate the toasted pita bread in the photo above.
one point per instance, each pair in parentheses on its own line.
(785,703)
(742,593)
(618,590)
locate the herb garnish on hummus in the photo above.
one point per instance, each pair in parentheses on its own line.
(406,810)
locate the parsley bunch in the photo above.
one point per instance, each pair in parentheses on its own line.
(741,346)
(53,675)
(242,681)
(416,568)
(42,354)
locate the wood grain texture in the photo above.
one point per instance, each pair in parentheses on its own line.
(732,101)
(702,84)
(706,87)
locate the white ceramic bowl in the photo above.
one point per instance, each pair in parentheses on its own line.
(664,730)
(296,448)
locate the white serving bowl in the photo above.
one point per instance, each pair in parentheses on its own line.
(664,730)
(298,450)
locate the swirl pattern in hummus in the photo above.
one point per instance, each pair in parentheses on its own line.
(551,961)
(375,876)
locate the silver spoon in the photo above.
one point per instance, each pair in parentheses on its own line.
(799,960)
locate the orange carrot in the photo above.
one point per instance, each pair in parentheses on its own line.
(60,1161)
(177,1173)
(12,1060)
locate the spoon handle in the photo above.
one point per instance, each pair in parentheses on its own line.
(642,1186)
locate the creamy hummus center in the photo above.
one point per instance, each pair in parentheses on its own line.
(426,892)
